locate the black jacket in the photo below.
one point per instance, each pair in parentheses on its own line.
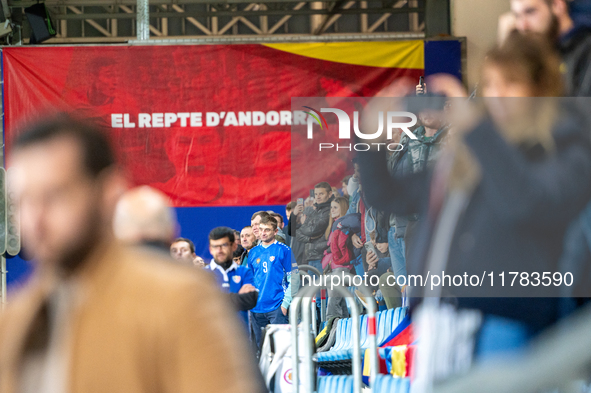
(311,233)
(515,219)
(575,49)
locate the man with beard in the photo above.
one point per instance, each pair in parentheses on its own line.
(98,317)
(552,19)
(271,263)
(232,277)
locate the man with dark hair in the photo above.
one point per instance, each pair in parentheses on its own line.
(256,220)
(83,323)
(183,250)
(271,263)
(232,277)
(311,233)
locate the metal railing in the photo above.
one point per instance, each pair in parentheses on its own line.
(304,299)
(322,299)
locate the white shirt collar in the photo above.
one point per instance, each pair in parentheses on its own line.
(214,266)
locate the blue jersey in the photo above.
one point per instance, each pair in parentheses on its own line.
(232,280)
(271,267)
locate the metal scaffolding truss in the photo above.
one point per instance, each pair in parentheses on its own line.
(79,21)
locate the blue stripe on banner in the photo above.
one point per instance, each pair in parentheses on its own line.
(195,224)
(443,56)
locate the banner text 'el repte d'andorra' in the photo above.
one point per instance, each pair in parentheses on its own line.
(209,125)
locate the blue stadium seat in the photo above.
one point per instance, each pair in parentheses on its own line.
(386,323)
(389,384)
(335,384)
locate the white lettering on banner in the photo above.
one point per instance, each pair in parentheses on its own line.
(126,122)
(300,117)
(258,118)
(116,120)
(170,119)
(212,119)
(157,120)
(196,119)
(285,118)
(144,120)
(272,118)
(244,118)
(183,116)
(230,119)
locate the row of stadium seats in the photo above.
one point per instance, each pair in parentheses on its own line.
(386,322)
(344,384)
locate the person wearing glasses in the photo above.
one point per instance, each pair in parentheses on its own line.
(233,278)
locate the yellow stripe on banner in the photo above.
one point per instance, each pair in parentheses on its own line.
(366,370)
(399,361)
(390,54)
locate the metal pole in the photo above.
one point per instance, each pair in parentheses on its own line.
(3,272)
(371,331)
(314,322)
(323,305)
(143,20)
(356,360)
(295,361)
(307,342)
(322,301)
(293,320)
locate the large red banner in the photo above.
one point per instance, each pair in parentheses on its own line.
(208,125)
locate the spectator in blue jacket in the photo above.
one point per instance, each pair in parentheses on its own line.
(232,277)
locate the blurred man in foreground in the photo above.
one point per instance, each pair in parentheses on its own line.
(98,317)
(144,217)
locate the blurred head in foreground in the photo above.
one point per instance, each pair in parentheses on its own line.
(67,185)
(525,65)
(519,79)
(143,216)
